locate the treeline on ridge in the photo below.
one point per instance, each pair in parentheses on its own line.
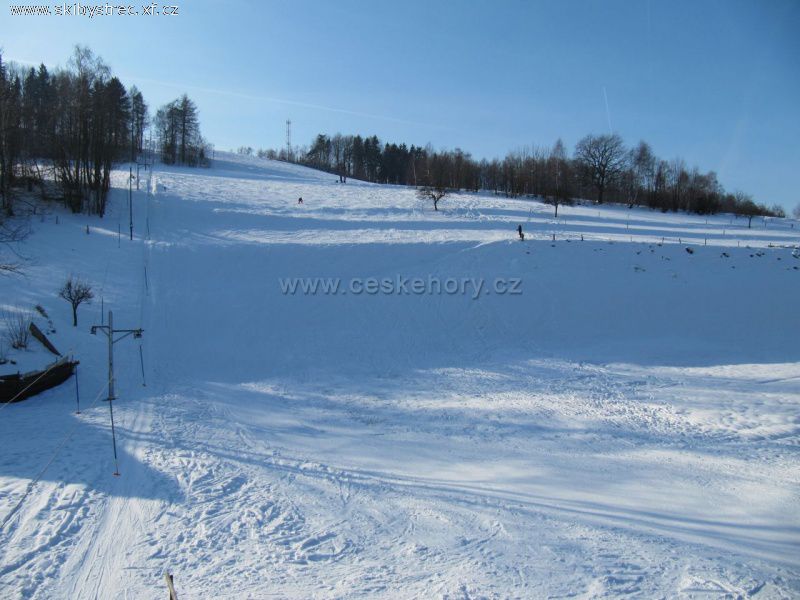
(601,169)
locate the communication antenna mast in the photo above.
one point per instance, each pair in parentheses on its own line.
(289,140)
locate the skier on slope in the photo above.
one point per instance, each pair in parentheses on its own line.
(519,231)
(300,200)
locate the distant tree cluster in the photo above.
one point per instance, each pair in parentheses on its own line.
(368,159)
(77,119)
(606,169)
(601,169)
(178,132)
(70,127)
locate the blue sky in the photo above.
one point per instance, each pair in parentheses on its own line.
(716,82)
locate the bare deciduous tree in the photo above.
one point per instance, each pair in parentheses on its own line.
(435,193)
(558,173)
(602,159)
(76,292)
(747,207)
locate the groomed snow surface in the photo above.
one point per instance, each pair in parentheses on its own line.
(628,425)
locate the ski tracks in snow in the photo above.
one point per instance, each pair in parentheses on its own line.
(449,467)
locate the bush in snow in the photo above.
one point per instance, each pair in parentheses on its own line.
(16,324)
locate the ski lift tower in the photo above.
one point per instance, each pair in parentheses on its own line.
(110,333)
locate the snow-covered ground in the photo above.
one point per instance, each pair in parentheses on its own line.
(628,424)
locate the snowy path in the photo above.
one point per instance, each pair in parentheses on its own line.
(602,435)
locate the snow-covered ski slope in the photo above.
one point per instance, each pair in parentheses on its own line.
(628,425)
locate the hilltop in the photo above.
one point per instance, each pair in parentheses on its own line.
(627,424)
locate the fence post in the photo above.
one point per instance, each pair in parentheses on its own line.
(173,595)
(77,393)
(141,360)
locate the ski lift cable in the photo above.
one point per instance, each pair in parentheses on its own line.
(57,451)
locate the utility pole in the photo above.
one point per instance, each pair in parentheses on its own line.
(289,140)
(130,180)
(110,332)
(130,198)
